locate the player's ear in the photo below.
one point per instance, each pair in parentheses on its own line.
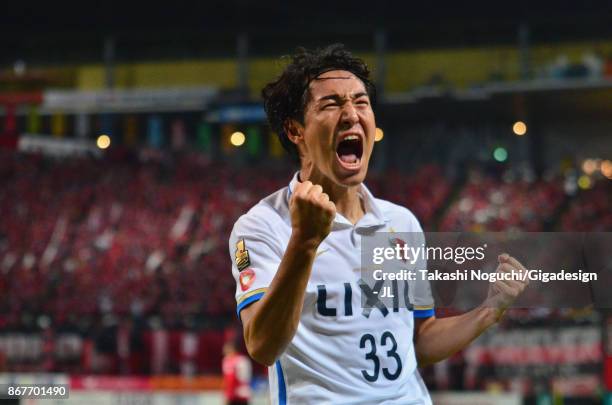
(294,131)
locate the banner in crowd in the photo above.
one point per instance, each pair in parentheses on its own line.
(125,101)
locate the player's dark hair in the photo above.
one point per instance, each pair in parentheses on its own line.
(287,97)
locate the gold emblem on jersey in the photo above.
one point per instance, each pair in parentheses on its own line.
(242,255)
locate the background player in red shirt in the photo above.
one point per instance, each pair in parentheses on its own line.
(236,375)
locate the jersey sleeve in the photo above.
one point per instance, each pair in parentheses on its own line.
(255,256)
(422,297)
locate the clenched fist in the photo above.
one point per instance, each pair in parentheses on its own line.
(503,292)
(312,213)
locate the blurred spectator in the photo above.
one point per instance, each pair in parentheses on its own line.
(487,203)
(590,210)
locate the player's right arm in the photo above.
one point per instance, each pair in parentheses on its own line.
(270,323)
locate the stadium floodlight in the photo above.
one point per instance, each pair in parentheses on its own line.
(379,135)
(519,128)
(584,182)
(589,166)
(103,141)
(237,139)
(606,169)
(500,154)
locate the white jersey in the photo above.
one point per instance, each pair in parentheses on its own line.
(341,352)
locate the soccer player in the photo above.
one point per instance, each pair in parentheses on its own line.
(236,375)
(296,255)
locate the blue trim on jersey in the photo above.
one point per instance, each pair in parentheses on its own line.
(248,301)
(424,313)
(282,390)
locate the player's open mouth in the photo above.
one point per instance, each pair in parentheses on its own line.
(349,151)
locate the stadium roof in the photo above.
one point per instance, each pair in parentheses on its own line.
(48,32)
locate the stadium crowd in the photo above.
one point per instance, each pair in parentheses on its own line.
(486,203)
(89,246)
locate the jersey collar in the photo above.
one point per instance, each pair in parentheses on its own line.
(373,217)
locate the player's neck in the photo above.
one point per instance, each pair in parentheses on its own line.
(347,199)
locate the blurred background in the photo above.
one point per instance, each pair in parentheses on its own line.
(132,137)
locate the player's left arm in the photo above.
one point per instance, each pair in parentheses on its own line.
(437,339)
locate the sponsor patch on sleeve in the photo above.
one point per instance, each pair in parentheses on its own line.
(242,255)
(246,279)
